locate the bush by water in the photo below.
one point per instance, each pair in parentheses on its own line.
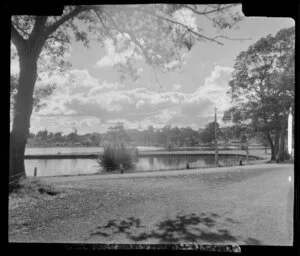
(117,157)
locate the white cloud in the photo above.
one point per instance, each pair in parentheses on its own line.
(67,131)
(105,85)
(140,103)
(83,78)
(165,116)
(79,85)
(82,124)
(177,87)
(87,100)
(89,122)
(60,79)
(114,57)
(56,106)
(172,64)
(216,86)
(139,71)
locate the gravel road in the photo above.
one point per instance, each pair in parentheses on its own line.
(250,205)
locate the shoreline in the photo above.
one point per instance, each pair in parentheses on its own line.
(163,173)
(170,172)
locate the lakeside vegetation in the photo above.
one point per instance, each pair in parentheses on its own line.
(117,156)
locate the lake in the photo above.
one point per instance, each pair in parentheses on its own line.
(56,167)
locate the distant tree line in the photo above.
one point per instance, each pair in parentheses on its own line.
(166,136)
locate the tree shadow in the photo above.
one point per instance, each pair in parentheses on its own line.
(182,228)
(252,241)
(232,221)
(117,226)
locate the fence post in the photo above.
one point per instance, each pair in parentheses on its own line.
(35,172)
(121,168)
(187,165)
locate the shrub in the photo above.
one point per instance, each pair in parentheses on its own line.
(114,156)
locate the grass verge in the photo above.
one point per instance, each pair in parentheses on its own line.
(30,190)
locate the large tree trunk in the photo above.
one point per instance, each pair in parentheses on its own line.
(22,112)
(276,144)
(281,151)
(282,154)
(273,155)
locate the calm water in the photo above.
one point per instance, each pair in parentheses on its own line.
(54,167)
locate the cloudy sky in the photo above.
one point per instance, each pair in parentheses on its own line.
(95,98)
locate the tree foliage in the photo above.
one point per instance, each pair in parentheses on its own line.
(262,86)
(208,135)
(154,32)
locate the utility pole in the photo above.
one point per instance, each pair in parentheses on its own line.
(290,132)
(247,150)
(216,143)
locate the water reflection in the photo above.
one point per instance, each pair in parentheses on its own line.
(72,150)
(53,167)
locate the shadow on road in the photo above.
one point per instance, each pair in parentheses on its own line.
(183,228)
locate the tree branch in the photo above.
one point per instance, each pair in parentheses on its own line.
(39,26)
(191,30)
(16,38)
(59,39)
(102,22)
(136,42)
(230,38)
(180,24)
(132,37)
(208,12)
(78,9)
(22,30)
(156,78)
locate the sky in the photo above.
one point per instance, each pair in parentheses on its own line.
(95,99)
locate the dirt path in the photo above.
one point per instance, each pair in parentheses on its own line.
(230,205)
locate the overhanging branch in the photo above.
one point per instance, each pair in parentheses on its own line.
(78,9)
(180,24)
(22,30)
(102,22)
(132,37)
(66,40)
(231,38)
(208,12)
(156,78)
(136,42)
(16,38)
(39,26)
